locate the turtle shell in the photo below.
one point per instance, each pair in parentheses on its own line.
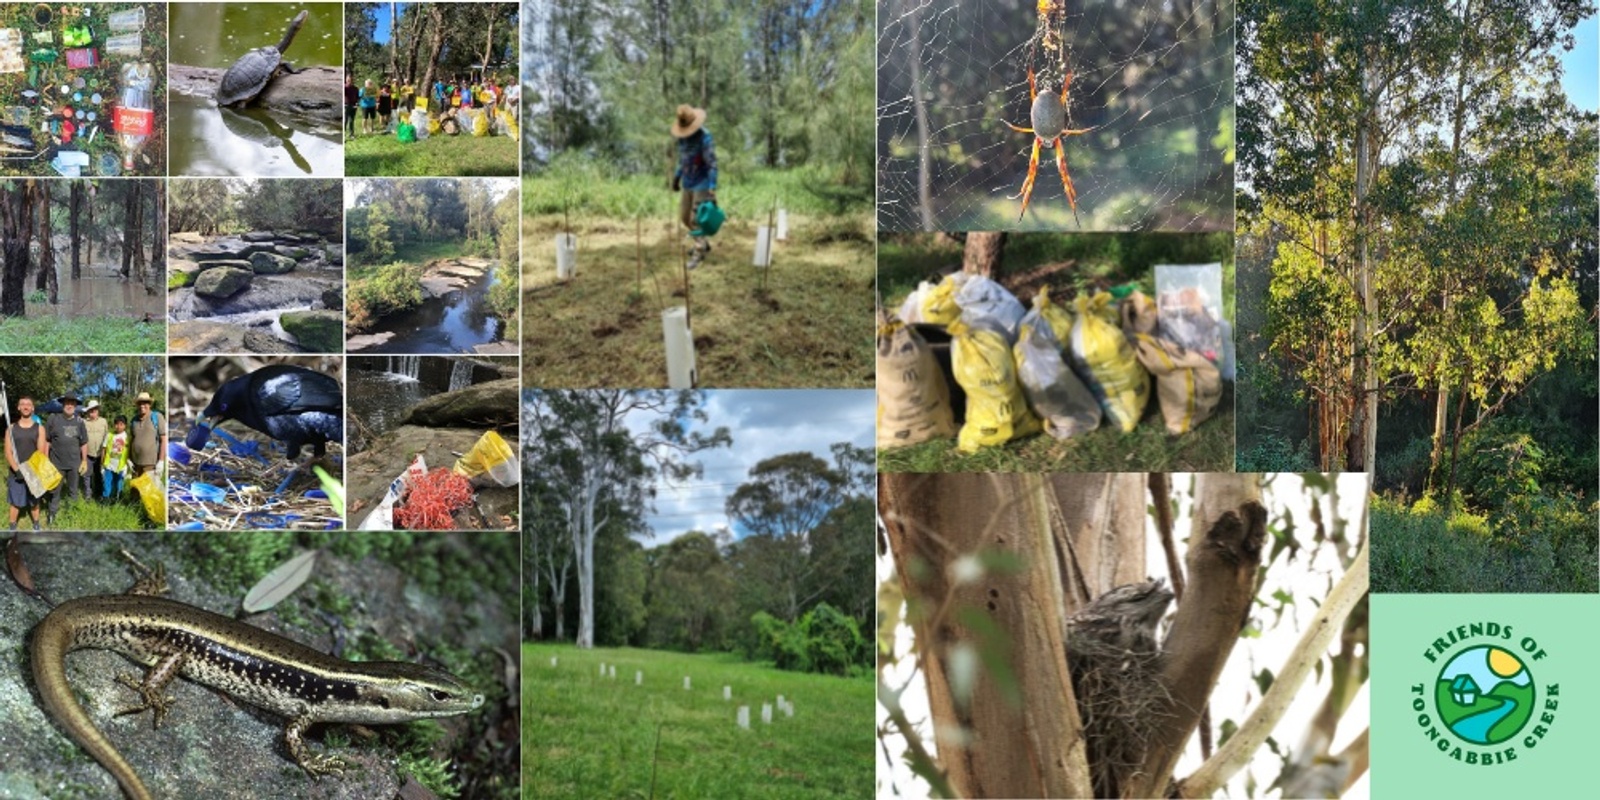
(248,76)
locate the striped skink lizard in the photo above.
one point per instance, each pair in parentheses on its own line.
(254,665)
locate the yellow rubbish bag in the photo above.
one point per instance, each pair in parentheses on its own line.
(939,304)
(480,124)
(1105,360)
(913,400)
(151,496)
(491,462)
(996,411)
(39,474)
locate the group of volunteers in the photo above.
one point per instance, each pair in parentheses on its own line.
(95,456)
(449,107)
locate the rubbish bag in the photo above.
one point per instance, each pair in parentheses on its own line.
(151,497)
(1105,360)
(975,300)
(1188,384)
(39,474)
(490,462)
(1190,299)
(910,311)
(913,400)
(996,410)
(1054,391)
(480,123)
(405,132)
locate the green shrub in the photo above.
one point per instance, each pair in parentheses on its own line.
(1273,453)
(822,640)
(393,287)
(1497,464)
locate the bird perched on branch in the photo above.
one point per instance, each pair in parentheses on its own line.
(1125,617)
(1115,662)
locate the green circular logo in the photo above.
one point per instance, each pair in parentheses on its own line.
(1484,695)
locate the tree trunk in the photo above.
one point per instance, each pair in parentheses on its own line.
(1034,743)
(982,253)
(435,45)
(158,238)
(13,282)
(47,250)
(414,36)
(135,235)
(1364,424)
(130,204)
(924,158)
(1224,552)
(74,206)
(394,41)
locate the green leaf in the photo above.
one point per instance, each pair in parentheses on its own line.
(1264,679)
(279,583)
(1227,730)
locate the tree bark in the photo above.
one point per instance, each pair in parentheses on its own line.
(435,44)
(1364,426)
(48,279)
(982,252)
(14,203)
(75,205)
(1024,731)
(1229,528)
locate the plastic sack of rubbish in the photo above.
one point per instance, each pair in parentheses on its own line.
(490,462)
(405,132)
(1188,385)
(1189,301)
(911,310)
(151,497)
(381,518)
(480,123)
(982,362)
(975,300)
(1054,391)
(1105,359)
(419,121)
(913,400)
(39,474)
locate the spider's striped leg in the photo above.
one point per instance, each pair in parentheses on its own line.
(1033,172)
(1066,179)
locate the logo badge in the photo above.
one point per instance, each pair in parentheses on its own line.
(1478,708)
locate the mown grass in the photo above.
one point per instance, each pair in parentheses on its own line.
(808,326)
(464,156)
(1420,549)
(585,736)
(1149,448)
(97,334)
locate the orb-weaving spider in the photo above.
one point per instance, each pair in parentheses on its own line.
(1049,117)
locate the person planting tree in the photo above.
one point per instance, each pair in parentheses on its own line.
(696,178)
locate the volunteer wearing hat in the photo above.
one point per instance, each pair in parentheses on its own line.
(696,178)
(98,427)
(147,435)
(24,438)
(69,451)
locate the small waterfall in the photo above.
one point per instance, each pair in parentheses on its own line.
(460,375)
(405,366)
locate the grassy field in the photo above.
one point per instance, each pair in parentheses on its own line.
(97,334)
(584,736)
(463,156)
(804,328)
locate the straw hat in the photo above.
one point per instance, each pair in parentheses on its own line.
(689,120)
(144,397)
(93,404)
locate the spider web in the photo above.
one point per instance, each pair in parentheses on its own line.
(1152,78)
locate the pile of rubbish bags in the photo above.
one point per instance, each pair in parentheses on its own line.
(1058,368)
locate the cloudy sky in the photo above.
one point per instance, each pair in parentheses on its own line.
(764,423)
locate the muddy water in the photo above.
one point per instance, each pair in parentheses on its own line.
(206,140)
(100,297)
(450,324)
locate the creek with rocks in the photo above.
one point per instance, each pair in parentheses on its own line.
(453,317)
(257,292)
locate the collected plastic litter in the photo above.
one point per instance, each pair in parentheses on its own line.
(996,411)
(1104,358)
(1054,391)
(913,399)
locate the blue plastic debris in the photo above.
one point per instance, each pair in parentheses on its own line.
(191,526)
(206,493)
(178,453)
(316,494)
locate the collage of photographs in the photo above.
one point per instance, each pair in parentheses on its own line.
(799,399)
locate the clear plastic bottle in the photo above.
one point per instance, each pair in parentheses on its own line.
(134,117)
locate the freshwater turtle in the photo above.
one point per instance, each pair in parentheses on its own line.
(249,75)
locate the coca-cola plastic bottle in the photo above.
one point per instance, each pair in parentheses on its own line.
(134,117)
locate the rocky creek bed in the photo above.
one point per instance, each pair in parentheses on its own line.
(257,292)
